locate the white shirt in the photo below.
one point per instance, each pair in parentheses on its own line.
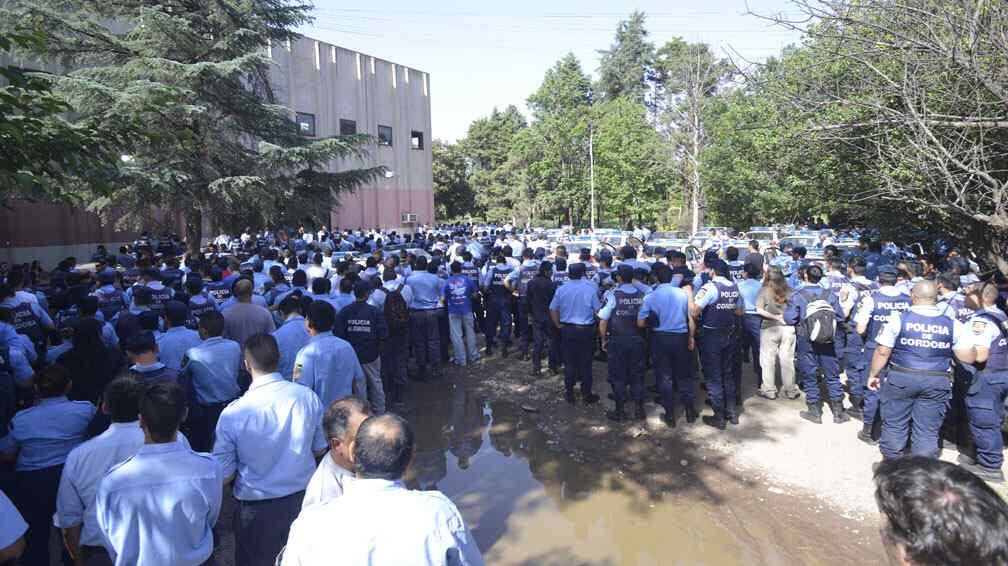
(85,467)
(381,523)
(326,483)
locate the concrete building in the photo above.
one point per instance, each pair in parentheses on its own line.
(329,91)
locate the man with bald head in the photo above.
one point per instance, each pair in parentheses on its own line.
(246,318)
(912,367)
(378,521)
(340,423)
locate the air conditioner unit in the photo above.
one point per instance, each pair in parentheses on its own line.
(409,218)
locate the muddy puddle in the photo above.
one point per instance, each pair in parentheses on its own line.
(536,498)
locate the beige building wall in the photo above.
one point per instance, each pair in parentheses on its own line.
(330,84)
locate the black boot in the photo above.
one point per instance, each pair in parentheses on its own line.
(524,355)
(489,350)
(691,413)
(535,371)
(669,416)
(504,351)
(717,420)
(855,411)
(813,414)
(639,413)
(569,395)
(616,414)
(732,416)
(837,408)
(590,398)
(865,435)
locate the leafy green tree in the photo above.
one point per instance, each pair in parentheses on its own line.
(453,195)
(195,74)
(485,149)
(40,149)
(632,176)
(689,75)
(625,68)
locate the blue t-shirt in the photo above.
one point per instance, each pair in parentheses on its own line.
(458,291)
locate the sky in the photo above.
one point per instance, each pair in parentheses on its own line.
(482,55)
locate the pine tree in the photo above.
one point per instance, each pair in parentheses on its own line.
(626,68)
(194,73)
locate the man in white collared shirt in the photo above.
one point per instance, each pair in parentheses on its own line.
(267,441)
(88,463)
(378,521)
(340,423)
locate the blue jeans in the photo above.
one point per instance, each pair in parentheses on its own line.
(985,411)
(914,403)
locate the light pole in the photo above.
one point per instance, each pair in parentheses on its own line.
(591,170)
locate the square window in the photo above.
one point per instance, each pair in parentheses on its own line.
(384,135)
(416,139)
(306,124)
(347,127)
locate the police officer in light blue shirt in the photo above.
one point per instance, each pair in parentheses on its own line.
(425,328)
(42,437)
(749,286)
(176,340)
(291,336)
(666,311)
(573,311)
(268,441)
(88,463)
(328,365)
(160,505)
(212,368)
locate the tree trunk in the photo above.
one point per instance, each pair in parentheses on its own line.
(194,229)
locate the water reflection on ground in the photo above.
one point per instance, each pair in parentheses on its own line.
(527,501)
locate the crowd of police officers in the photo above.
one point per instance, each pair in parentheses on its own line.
(921,342)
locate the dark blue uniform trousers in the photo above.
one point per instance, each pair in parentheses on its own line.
(916,402)
(985,410)
(498,315)
(871,398)
(626,366)
(544,336)
(854,364)
(426,333)
(718,350)
(672,364)
(35,497)
(577,344)
(751,338)
(810,357)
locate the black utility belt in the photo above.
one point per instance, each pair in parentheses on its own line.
(615,336)
(577,325)
(927,372)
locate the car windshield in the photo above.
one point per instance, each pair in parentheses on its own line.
(669,235)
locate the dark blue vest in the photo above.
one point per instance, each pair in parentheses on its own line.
(956,308)
(721,313)
(924,342)
(197,310)
(497,276)
(997,360)
(885,306)
(110,303)
(525,274)
(623,321)
(219,290)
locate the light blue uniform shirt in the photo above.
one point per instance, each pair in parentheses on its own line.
(19,365)
(160,506)
(47,432)
(340,300)
(382,522)
(748,289)
(213,367)
(12,524)
(173,345)
(268,438)
(670,303)
(84,469)
(576,301)
(328,366)
(291,337)
(426,289)
(256,300)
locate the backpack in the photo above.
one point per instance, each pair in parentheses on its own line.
(819,324)
(396,309)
